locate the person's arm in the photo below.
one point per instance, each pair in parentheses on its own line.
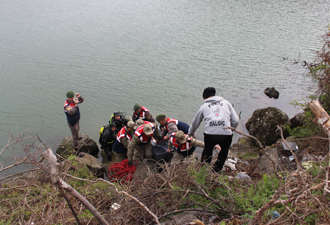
(169,146)
(70,110)
(125,142)
(80,98)
(197,143)
(130,149)
(172,128)
(196,122)
(234,117)
(133,118)
(157,135)
(149,117)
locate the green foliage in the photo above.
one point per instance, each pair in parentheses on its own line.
(307,130)
(257,195)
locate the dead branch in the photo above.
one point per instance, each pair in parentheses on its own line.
(286,143)
(58,182)
(16,174)
(119,192)
(261,147)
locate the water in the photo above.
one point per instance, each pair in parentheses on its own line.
(158,53)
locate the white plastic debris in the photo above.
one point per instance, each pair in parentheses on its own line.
(115,206)
(243,175)
(230,164)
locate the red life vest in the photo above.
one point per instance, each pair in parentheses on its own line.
(142,114)
(184,147)
(168,120)
(139,132)
(123,133)
(72,119)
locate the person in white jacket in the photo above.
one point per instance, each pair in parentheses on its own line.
(217,113)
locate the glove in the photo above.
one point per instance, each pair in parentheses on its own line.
(130,162)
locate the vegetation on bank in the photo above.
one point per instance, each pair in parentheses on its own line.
(301,196)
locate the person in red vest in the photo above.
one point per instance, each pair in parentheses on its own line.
(140,147)
(122,141)
(184,144)
(141,112)
(171,126)
(71,109)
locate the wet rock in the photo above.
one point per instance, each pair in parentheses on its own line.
(298,120)
(86,144)
(272,93)
(94,165)
(263,124)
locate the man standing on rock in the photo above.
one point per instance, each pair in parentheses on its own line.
(217,113)
(71,109)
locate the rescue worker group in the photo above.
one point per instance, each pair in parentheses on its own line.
(134,138)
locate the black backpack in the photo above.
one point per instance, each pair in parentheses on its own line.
(106,136)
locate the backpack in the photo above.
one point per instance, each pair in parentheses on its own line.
(106,136)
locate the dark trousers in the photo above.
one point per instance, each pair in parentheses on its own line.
(210,141)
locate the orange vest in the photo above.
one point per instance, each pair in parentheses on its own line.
(139,132)
(184,147)
(142,114)
(122,133)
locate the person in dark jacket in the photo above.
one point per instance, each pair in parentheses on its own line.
(107,138)
(71,109)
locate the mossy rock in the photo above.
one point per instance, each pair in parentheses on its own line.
(94,165)
(86,144)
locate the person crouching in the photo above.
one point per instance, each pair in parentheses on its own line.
(140,147)
(122,141)
(184,144)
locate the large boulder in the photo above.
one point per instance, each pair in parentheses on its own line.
(86,144)
(263,124)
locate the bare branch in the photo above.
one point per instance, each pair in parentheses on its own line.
(119,192)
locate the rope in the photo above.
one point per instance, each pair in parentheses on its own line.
(121,171)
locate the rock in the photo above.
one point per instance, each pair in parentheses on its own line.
(143,168)
(263,124)
(94,165)
(183,218)
(247,142)
(265,165)
(272,93)
(87,145)
(298,120)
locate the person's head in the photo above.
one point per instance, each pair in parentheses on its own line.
(116,115)
(139,122)
(113,127)
(208,92)
(180,137)
(147,130)
(130,126)
(137,108)
(70,95)
(161,119)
